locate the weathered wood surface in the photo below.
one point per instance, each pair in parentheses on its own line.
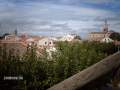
(93,72)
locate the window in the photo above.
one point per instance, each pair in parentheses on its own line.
(45,42)
(105,39)
(50,43)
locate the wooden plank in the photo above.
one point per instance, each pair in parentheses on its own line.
(93,72)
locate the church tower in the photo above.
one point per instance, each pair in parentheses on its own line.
(105,28)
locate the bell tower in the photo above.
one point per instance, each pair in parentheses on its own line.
(105,28)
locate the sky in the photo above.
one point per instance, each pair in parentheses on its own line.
(58,17)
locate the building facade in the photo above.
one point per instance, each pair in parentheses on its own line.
(98,36)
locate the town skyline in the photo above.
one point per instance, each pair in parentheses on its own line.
(56,18)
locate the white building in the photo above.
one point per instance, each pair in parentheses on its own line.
(107,40)
(45,42)
(67,38)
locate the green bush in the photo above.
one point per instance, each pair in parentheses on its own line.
(39,73)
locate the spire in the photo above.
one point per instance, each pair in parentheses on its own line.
(16,32)
(105,29)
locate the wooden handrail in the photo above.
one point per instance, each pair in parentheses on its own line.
(91,73)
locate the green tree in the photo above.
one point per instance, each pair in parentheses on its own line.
(115,36)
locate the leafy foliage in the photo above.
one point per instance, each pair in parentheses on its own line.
(115,36)
(39,73)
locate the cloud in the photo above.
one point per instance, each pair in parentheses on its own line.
(101,1)
(48,18)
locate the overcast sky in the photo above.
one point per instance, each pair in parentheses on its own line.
(58,17)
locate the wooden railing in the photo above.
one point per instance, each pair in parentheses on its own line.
(91,73)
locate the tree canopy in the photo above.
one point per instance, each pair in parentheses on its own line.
(115,36)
